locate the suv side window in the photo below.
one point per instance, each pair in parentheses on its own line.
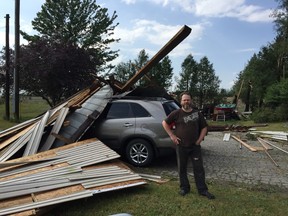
(119,110)
(169,107)
(139,111)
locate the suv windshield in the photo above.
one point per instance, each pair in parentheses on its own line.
(169,107)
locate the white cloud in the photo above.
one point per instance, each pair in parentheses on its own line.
(152,36)
(154,32)
(231,8)
(247,50)
(129,1)
(238,9)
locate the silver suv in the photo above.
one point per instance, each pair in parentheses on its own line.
(133,127)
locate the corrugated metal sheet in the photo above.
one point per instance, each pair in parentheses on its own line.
(86,115)
(79,112)
(56,128)
(35,139)
(59,171)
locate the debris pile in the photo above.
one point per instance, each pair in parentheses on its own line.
(67,173)
(235,128)
(262,138)
(59,126)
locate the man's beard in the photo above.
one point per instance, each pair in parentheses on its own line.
(186,106)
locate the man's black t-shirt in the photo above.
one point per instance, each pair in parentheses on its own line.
(188,125)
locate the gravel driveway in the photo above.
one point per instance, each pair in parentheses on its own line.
(225,160)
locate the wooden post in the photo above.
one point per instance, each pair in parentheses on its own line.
(7,68)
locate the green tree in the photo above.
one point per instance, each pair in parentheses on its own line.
(124,71)
(200,80)
(71,47)
(62,77)
(261,72)
(81,23)
(139,63)
(208,83)
(277,94)
(281,40)
(188,75)
(161,74)
(3,69)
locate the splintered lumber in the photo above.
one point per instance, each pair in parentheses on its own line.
(15,137)
(271,158)
(18,127)
(269,143)
(245,144)
(266,147)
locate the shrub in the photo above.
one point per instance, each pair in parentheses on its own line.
(264,115)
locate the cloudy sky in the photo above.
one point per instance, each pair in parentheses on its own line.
(228,32)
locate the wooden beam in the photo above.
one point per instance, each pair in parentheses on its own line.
(245,144)
(267,147)
(178,38)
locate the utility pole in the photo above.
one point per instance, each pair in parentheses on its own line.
(7,68)
(16,69)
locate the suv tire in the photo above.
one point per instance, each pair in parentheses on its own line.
(139,152)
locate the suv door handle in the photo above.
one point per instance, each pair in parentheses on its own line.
(128,124)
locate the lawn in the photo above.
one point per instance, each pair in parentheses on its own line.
(162,199)
(29,107)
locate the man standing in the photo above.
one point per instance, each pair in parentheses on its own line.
(190,130)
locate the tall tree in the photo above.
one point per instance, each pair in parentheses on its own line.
(281,41)
(62,77)
(208,83)
(161,74)
(188,75)
(81,23)
(3,69)
(199,79)
(124,71)
(71,47)
(261,71)
(140,62)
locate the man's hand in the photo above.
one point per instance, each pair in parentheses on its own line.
(175,139)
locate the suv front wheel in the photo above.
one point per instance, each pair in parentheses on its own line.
(139,152)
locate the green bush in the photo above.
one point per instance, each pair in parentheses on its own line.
(265,115)
(281,113)
(262,115)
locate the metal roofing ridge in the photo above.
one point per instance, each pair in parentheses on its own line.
(56,128)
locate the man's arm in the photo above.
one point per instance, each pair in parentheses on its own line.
(201,136)
(167,128)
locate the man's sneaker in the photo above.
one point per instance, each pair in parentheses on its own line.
(207,194)
(183,192)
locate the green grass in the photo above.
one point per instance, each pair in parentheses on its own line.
(28,108)
(163,199)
